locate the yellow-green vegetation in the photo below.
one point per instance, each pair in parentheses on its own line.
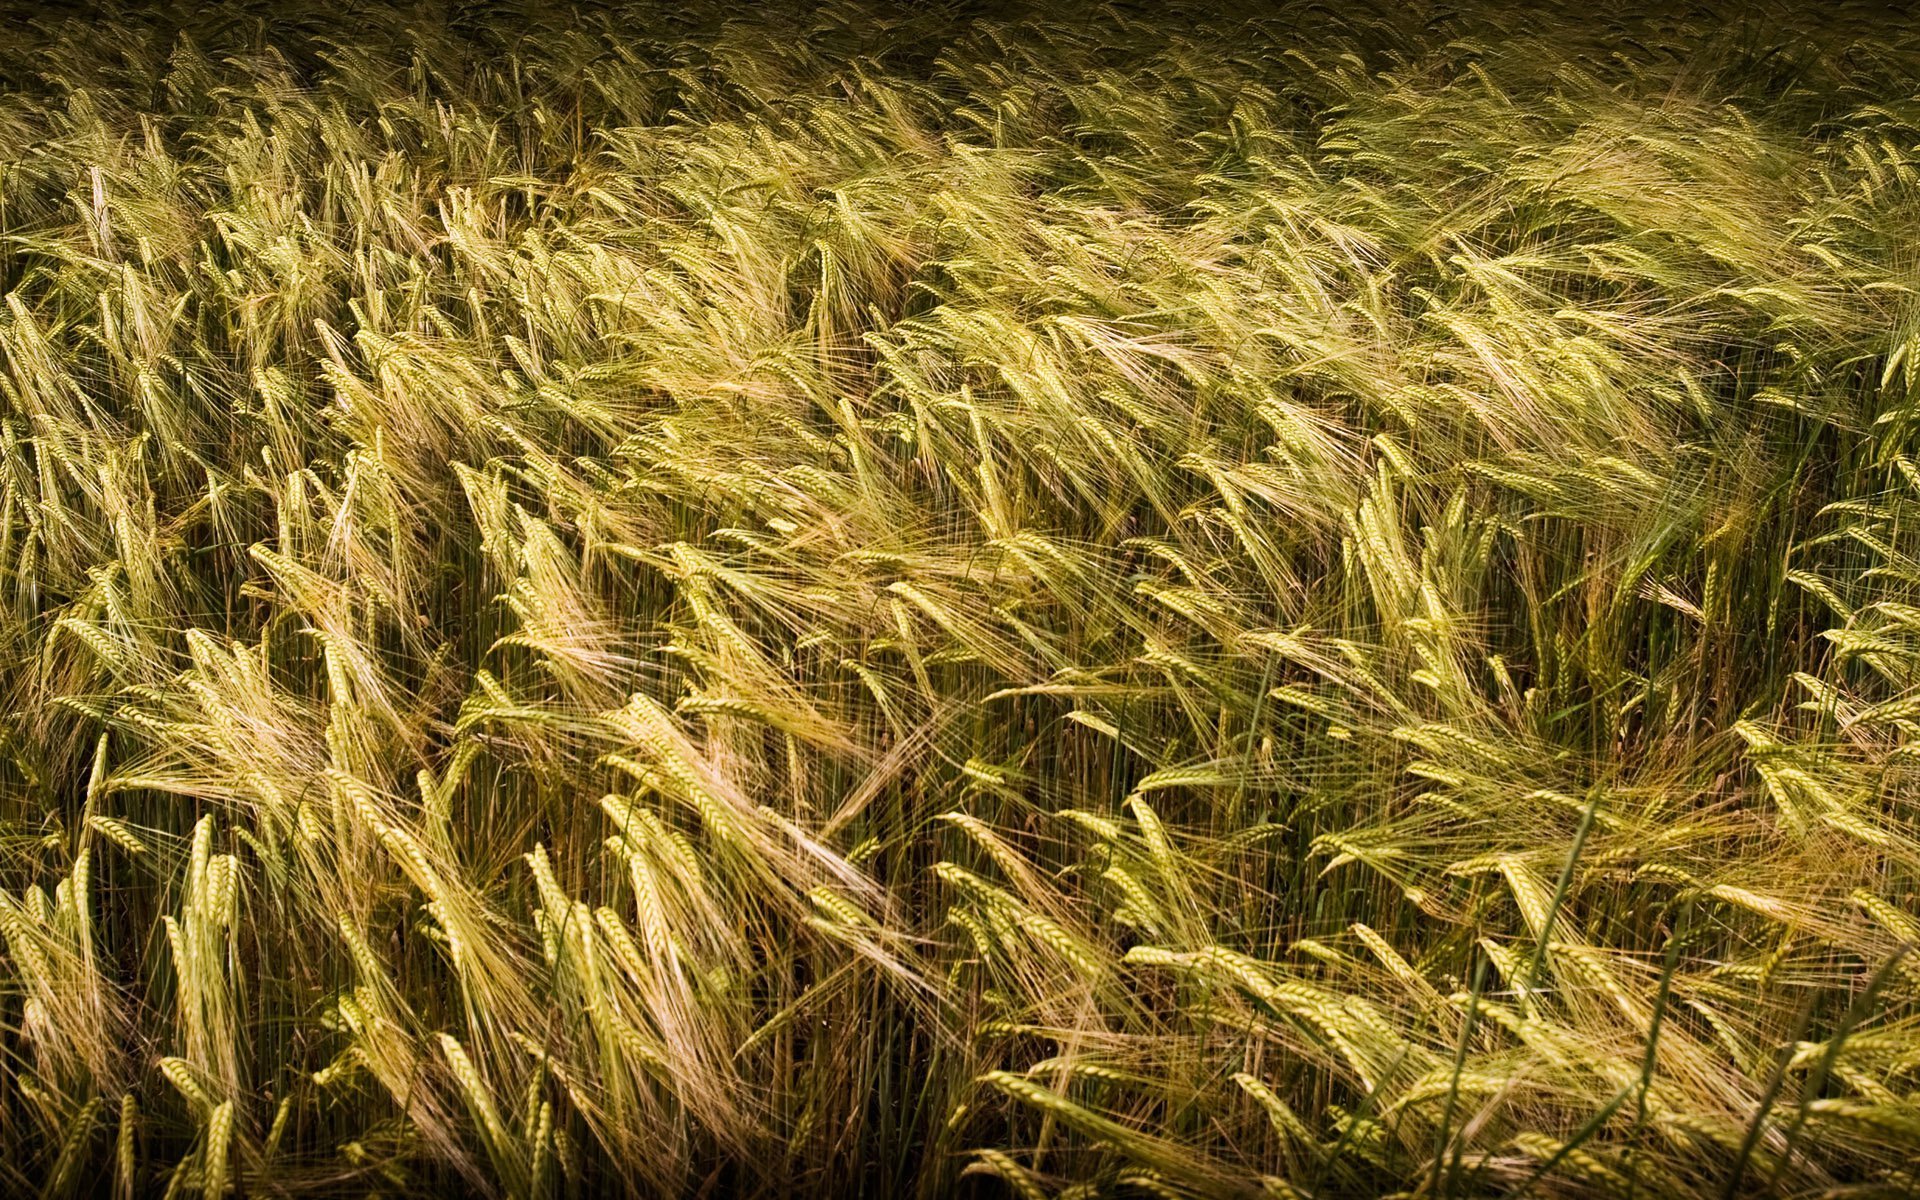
(859,601)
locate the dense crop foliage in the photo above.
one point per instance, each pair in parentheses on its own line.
(860,601)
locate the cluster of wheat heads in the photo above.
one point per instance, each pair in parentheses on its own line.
(858,601)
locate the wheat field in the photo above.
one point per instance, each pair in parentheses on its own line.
(1051,601)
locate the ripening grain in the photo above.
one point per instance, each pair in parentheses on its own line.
(1086,602)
